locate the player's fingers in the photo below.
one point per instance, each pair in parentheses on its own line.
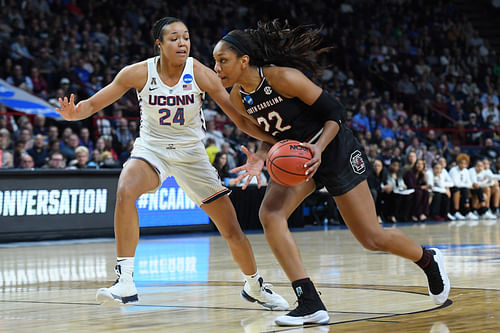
(247,181)
(238,169)
(72,99)
(240,177)
(245,150)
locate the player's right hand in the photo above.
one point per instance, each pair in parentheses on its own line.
(68,109)
(253,168)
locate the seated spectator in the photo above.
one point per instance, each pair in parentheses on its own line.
(493,179)
(376,179)
(415,179)
(85,139)
(211,149)
(480,192)
(39,151)
(439,209)
(396,195)
(461,191)
(489,150)
(411,159)
(26,162)
(81,160)
(220,164)
(20,80)
(56,161)
(40,125)
(107,161)
(17,153)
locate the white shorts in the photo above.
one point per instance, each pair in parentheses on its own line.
(188,164)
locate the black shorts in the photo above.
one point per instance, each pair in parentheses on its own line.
(344,164)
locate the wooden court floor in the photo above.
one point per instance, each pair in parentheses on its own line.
(188,283)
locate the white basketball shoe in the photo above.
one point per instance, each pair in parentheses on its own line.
(264,296)
(123,291)
(439,284)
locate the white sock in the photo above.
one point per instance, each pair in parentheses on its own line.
(126,266)
(253,280)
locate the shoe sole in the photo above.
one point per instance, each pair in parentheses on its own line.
(267,306)
(443,296)
(319,317)
(104,297)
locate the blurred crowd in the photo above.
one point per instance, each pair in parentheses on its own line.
(415,76)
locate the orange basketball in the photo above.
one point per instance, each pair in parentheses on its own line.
(285,162)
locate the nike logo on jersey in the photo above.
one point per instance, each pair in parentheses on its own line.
(151,89)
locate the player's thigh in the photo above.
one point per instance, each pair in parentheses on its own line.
(137,177)
(281,201)
(358,211)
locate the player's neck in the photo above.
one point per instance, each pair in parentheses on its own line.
(169,72)
(251,79)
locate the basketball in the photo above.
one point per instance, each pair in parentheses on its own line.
(285,162)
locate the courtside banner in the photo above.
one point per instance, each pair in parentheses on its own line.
(48,204)
(44,204)
(22,101)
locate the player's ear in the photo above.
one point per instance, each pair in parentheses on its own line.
(245,60)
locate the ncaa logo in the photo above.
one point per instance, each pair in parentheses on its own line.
(268,90)
(187,78)
(248,100)
(357,162)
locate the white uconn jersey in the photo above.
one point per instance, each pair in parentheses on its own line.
(171,115)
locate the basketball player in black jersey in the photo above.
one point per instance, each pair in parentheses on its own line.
(265,68)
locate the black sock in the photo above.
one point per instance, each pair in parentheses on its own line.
(431,269)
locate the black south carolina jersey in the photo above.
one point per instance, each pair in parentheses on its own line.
(283,118)
(343,163)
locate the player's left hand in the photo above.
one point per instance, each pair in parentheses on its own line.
(312,165)
(253,168)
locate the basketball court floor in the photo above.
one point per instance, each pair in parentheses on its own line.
(189,283)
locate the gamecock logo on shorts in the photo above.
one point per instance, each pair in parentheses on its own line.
(357,162)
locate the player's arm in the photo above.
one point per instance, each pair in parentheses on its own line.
(291,83)
(208,81)
(132,76)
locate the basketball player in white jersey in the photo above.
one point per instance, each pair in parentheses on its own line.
(170,89)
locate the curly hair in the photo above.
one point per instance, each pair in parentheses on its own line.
(278,44)
(463,156)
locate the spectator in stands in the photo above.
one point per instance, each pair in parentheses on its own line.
(20,80)
(40,126)
(411,159)
(81,160)
(211,149)
(376,181)
(360,121)
(5,140)
(26,136)
(220,164)
(40,87)
(122,133)
(493,184)
(39,151)
(396,197)
(56,161)
(26,162)
(85,139)
(461,191)
(231,155)
(439,209)
(489,150)
(415,179)
(480,191)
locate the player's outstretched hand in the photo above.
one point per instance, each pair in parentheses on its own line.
(68,109)
(252,168)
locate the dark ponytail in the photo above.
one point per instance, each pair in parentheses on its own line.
(278,44)
(157,30)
